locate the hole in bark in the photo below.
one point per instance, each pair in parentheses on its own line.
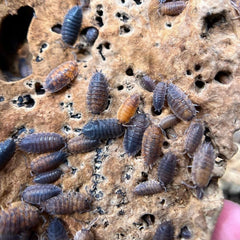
(125,29)
(185,233)
(108,103)
(188,72)
(138,2)
(122,16)
(197,67)
(224,77)
(1,98)
(129,71)
(144,176)
(39,89)
(24,101)
(119,88)
(57,28)
(99,21)
(199,84)
(100,49)
(166,144)
(168,24)
(149,219)
(155,112)
(13,40)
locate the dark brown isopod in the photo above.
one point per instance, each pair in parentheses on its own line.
(41,142)
(56,230)
(39,193)
(148,188)
(97,95)
(146,82)
(179,103)
(168,121)
(172,8)
(133,135)
(18,218)
(151,144)
(48,162)
(103,129)
(159,94)
(67,203)
(165,231)
(166,169)
(61,76)
(7,150)
(202,167)
(48,177)
(82,144)
(194,137)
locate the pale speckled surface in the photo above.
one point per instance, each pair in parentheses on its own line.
(149,47)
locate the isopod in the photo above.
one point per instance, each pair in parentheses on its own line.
(179,103)
(71,25)
(98,92)
(172,8)
(149,187)
(168,121)
(48,162)
(165,231)
(18,218)
(103,129)
(39,193)
(159,94)
(128,108)
(41,142)
(48,177)
(56,230)
(61,76)
(7,150)
(202,167)
(133,135)
(166,169)
(67,203)
(85,233)
(146,82)
(151,144)
(91,35)
(82,144)
(194,137)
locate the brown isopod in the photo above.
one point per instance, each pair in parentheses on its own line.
(146,82)
(168,121)
(98,92)
(67,203)
(38,193)
(194,137)
(18,218)
(179,103)
(165,231)
(148,188)
(82,144)
(151,144)
(128,108)
(202,167)
(166,169)
(48,177)
(172,8)
(41,142)
(159,94)
(61,76)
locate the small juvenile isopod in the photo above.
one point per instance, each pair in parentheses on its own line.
(24,67)
(67,203)
(18,218)
(148,188)
(38,193)
(133,135)
(103,129)
(48,162)
(159,94)
(179,103)
(7,150)
(41,142)
(91,35)
(82,144)
(151,144)
(194,137)
(61,76)
(56,230)
(128,108)
(146,82)
(71,25)
(172,8)
(202,167)
(97,95)
(165,231)
(168,121)
(48,177)
(166,169)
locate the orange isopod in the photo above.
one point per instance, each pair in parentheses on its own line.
(128,108)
